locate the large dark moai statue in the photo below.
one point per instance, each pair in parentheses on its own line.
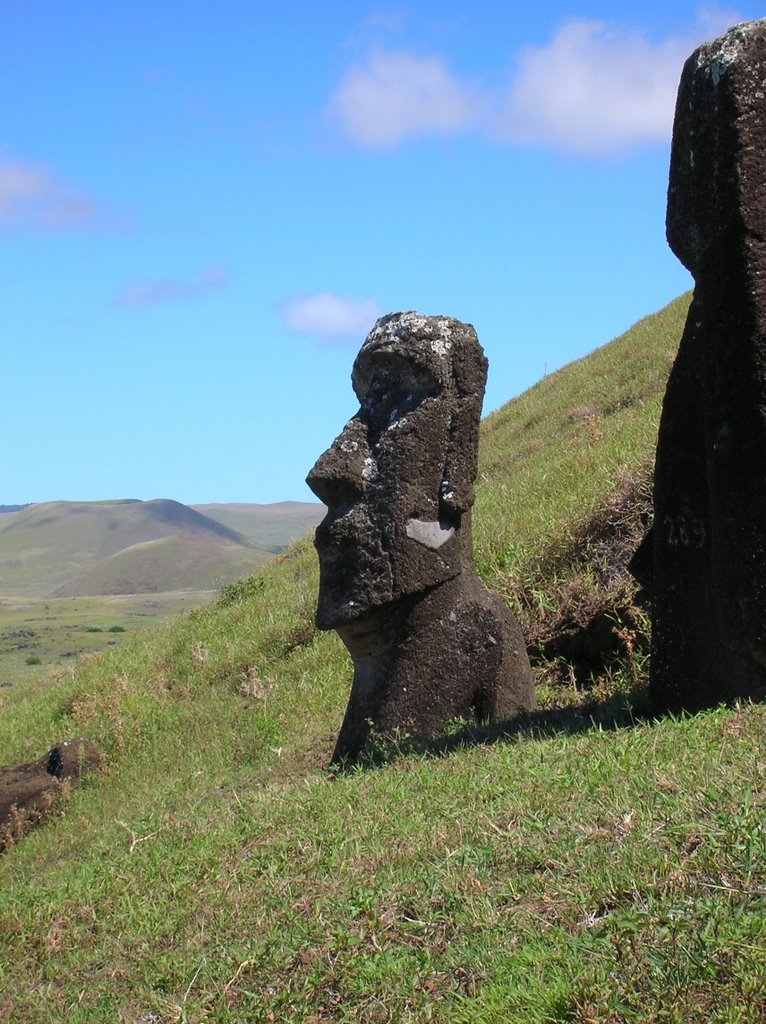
(429,642)
(708,563)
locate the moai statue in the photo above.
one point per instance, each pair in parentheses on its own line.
(708,545)
(428,641)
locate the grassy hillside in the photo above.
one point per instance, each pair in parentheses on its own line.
(66,546)
(586,865)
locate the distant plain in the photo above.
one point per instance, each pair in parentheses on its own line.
(79,577)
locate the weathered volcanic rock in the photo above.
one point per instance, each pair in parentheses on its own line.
(708,544)
(28,791)
(397,579)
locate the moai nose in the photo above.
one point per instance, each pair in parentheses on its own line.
(340,475)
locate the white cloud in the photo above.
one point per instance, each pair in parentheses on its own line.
(152,293)
(594,89)
(32,195)
(399,95)
(331,318)
(597,89)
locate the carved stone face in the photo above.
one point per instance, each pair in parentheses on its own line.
(396,493)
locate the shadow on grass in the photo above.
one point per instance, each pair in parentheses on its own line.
(624,710)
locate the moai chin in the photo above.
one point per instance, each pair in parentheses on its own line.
(397,580)
(708,544)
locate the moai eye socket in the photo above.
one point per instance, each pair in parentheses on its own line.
(389,387)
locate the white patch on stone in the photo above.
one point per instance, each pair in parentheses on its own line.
(396,423)
(431,535)
(414,320)
(729,48)
(349,446)
(369,469)
(441,346)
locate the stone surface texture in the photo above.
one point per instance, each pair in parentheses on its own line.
(707,573)
(428,641)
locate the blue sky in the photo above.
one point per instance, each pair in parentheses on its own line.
(204,207)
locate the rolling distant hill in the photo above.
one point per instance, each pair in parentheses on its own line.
(69,548)
(273,526)
(165,564)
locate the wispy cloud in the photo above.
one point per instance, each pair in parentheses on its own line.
(32,195)
(399,95)
(332,319)
(595,89)
(170,289)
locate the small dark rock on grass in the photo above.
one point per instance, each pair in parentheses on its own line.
(28,791)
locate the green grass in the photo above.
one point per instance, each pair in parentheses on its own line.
(550,459)
(589,865)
